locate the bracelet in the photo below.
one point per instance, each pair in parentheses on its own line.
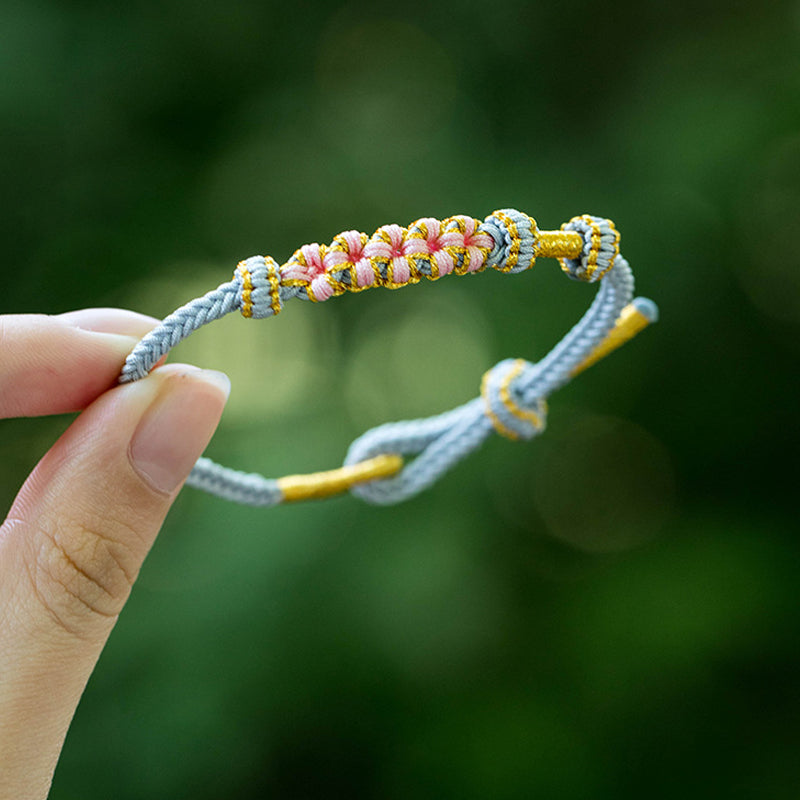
(513,393)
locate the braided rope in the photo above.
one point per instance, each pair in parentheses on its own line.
(513,393)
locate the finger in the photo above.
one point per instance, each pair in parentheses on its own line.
(72,547)
(109,320)
(53,365)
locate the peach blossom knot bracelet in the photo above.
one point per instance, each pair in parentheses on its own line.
(397,460)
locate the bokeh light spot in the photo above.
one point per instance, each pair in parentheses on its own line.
(603,485)
(272,364)
(416,362)
(387,87)
(771,273)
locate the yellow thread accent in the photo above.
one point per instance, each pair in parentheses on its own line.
(506,399)
(375,261)
(594,247)
(317,485)
(455,251)
(339,287)
(299,258)
(274,287)
(594,250)
(513,253)
(616,247)
(464,253)
(558,244)
(340,245)
(377,278)
(247,291)
(505,396)
(630,322)
(414,274)
(422,233)
(484,250)
(493,418)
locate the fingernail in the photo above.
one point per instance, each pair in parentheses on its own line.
(178,425)
(109,320)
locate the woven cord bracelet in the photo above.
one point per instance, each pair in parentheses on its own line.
(513,394)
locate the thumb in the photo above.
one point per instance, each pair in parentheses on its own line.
(73,544)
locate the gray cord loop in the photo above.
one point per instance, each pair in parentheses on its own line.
(514,392)
(441,442)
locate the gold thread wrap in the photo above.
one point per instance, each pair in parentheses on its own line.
(630,322)
(558,244)
(318,485)
(526,415)
(274,280)
(513,251)
(247,290)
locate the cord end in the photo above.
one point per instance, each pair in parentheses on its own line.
(633,319)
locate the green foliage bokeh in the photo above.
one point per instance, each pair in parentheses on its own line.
(607,612)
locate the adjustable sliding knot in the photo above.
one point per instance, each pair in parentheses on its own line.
(259,287)
(600,248)
(509,414)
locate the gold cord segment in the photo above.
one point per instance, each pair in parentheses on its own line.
(558,244)
(630,322)
(317,485)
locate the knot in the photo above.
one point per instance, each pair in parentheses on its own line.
(386,249)
(514,235)
(347,265)
(259,287)
(600,248)
(502,405)
(454,245)
(306,269)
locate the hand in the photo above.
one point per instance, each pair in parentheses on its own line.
(81,526)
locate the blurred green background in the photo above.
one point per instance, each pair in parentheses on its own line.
(609,611)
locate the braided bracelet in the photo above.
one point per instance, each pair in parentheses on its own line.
(513,393)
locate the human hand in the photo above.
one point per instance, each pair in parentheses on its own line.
(80,528)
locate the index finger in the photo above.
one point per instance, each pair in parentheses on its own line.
(59,364)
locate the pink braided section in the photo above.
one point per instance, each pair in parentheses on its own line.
(390,257)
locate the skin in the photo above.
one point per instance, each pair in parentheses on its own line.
(75,538)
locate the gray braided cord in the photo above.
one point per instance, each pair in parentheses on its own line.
(185,321)
(248,488)
(555,369)
(177,326)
